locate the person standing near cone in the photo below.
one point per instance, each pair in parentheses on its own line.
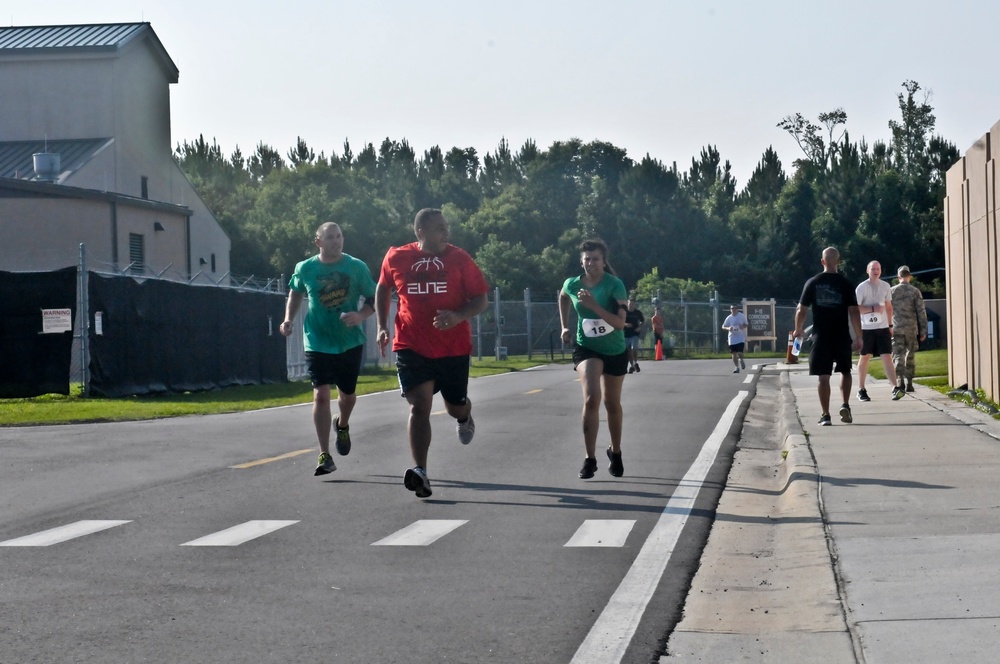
(657,323)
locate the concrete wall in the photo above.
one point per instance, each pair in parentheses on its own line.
(971,259)
(40,234)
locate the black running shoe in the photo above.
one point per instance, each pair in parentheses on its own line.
(863,395)
(909,386)
(845,414)
(343,438)
(616,468)
(898,392)
(637,369)
(824,421)
(589,468)
(415,479)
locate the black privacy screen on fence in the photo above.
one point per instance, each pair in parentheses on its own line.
(163,336)
(34,356)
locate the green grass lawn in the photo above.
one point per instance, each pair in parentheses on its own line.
(932,367)
(932,370)
(60,409)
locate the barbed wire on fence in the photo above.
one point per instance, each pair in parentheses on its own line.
(171,272)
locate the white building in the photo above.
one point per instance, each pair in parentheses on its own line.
(85,157)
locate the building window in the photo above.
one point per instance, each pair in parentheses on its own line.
(145,187)
(136,253)
(213,262)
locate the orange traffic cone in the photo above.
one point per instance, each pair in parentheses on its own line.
(789,357)
(659,349)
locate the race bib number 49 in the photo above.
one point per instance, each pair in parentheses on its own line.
(595,327)
(872,319)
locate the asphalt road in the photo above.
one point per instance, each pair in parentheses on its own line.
(213,542)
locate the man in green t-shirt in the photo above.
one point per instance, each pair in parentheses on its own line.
(341,295)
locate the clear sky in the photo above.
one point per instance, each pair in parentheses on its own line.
(663,77)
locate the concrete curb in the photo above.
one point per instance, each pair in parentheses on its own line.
(765,590)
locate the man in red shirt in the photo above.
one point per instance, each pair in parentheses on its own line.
(439,288)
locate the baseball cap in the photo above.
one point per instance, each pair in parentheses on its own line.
(903,271)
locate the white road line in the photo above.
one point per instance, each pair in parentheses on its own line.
(602,532)
(421,533)
(748,379)
(610,636)
(63,533)
(239,534)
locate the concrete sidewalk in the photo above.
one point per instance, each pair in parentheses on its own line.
(873,542)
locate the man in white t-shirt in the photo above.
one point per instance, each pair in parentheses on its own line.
(736,325)
(875,303)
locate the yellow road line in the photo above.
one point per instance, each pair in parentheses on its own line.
(533,392)
(260,462)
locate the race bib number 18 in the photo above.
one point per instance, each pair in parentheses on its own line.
(595,327)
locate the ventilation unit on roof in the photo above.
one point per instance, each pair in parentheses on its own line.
(47,166)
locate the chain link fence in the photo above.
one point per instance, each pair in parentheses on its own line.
(531,328)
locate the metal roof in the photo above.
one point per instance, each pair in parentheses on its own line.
(111,37)
(69,36)
(16,156)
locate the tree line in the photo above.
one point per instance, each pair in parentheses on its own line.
(522,213)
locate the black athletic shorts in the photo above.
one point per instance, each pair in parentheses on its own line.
(614,365)
(823,357)
(876,342)
(450,374)
(737,348)
(341,369)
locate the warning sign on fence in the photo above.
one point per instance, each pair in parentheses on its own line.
(55,321)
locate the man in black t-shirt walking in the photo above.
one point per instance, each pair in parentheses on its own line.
(835,311)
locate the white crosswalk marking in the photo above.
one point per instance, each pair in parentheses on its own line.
(63,533)
(748,379)
(601,532)
(239,534)
(421,533)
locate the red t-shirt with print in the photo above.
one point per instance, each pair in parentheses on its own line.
(425,284)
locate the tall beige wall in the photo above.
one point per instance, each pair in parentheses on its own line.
(971,259)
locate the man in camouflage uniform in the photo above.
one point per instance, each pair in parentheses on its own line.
(909,327)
